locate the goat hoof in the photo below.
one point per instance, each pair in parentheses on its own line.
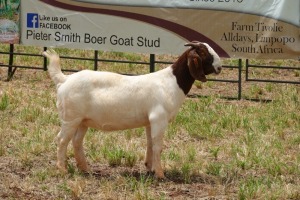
(148,166)
(160,175)
(85,169)
(62,168)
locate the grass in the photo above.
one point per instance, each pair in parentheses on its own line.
(4,102)
(214,149)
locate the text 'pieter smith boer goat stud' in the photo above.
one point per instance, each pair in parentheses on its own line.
(110,101)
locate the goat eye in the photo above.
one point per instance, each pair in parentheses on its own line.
(209,61)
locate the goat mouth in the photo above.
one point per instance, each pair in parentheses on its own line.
(218,70)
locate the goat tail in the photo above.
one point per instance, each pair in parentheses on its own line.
(54,67)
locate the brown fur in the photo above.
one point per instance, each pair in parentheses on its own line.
(193,65)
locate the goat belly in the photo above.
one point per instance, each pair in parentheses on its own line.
(112,116)
(115,126)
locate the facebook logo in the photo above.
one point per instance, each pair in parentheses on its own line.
(32,20)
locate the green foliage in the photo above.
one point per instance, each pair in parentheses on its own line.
(186,172)
(117,157)
(214,168)
(130,159)
(4,102)
(250,188)
(114,156)
(214,151)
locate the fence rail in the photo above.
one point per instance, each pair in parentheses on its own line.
(248,66)
(152,62)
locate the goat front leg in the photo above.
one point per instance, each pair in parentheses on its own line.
(63,138)
(158,126)
(156,157)
(78,148)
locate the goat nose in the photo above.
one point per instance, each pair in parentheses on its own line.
(219,69)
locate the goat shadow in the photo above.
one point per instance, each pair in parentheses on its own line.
(111,173)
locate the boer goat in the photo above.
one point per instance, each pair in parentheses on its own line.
(110,101)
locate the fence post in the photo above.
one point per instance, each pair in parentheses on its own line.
(96,60)
(247,69)
(45,61)
(152,63)
(240,80)
(10,62)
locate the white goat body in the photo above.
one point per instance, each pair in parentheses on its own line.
(110,101)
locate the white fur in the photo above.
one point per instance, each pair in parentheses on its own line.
(217,61)
(110,101)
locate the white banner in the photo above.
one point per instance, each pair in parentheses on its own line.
(278,9)
(234,28)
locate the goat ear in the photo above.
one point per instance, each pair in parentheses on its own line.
(195,66)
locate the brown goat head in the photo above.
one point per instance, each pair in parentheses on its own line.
(202,60)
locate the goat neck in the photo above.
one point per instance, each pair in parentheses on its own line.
(182,73)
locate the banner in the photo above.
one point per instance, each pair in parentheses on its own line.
(234,28)
(9,21)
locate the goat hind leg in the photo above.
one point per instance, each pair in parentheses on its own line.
(77,142)
(149,152)
(63,138)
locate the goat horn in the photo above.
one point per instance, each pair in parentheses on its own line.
(193,44)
